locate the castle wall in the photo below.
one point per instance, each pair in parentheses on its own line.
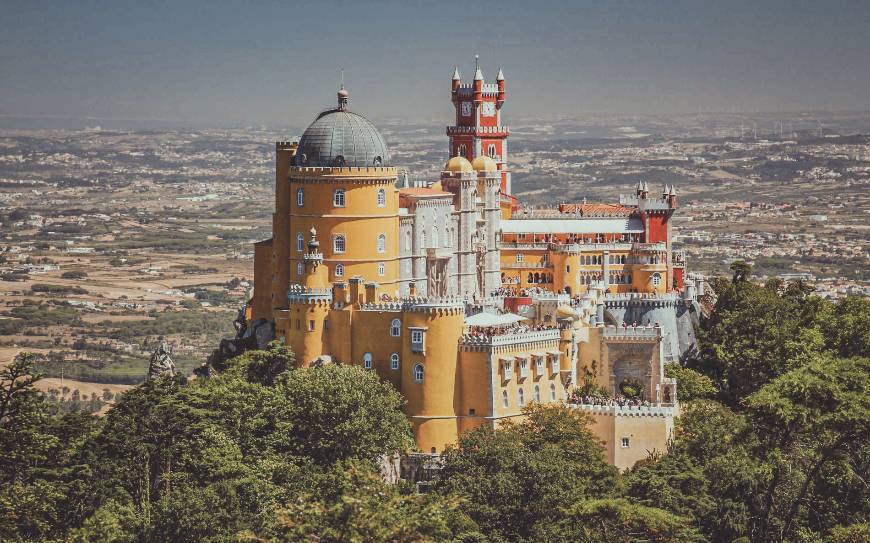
(647,430)
(261,304)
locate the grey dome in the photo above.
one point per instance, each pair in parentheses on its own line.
(339,137)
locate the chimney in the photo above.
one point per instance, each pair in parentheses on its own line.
(371,293)
(339,292)
(355,294)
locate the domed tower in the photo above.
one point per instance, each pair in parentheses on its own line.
(342,184)
(308,303)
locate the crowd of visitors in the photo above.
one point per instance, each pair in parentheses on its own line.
(618,400)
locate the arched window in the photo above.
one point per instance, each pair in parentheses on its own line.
(382,198)
(656,279)
(553,392)
(338,243)
(418,373)
(504,399)
(537,394)
(396,328)
(394,361)
(300,197)
(367,361)
(491,151)
(339,270)
(300,242)
(300,269)
(338,198)
(381,268)
(382,243)
(463,151)
(408,245)
(521,397)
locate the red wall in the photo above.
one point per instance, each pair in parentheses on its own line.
(656,228)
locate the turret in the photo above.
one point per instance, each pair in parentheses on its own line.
(500,82)
(316,275)
(456,79)
(665,192)
(644,190)
(478,82)
(672,198)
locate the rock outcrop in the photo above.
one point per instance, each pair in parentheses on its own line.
(161,362)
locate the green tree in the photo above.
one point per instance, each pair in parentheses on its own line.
(524,473)
(692,385)
(337,412)
(607,520)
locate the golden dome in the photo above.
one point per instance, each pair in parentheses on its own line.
(458,164)
(437,185)
(484,164)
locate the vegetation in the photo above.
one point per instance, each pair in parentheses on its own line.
(772,446)
(57,290)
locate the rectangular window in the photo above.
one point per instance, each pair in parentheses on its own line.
(524,368)
(338,198)
(310,326)
(472,412)
(520,257)
(539,365)
(417,343)
(554,360)
(508,369)
(625,443)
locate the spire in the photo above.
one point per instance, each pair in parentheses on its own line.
(500,76)
(645,186)
(456,73)
(342,97)
(673,191)
(478,75)
(666,190)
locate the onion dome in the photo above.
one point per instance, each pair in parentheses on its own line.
(458,164)
(484,164)
(340,137)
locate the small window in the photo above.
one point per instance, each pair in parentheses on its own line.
(338,244)
(418,373)
(396,328)
(508,368)
(382,198)
(524,368)
(472,412)
(300,269)
(521,397)
(463,151)
(504,399)
(300,242)
(656,279)
(416,336)
(539,365)
(339,270)
(367,361)
(382,243)
(626,442)
(520,257)
(553,392)
(537,394)
(310,326)
(491,151)
(554,361)
(300,197)
(338,198)
(381,269)
(394,361)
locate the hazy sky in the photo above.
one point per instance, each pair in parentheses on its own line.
(277,63)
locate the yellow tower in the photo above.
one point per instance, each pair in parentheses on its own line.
(308,306)
(342,184)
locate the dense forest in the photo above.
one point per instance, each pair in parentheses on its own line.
(772,446)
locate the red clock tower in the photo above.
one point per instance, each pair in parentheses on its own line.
(478,129)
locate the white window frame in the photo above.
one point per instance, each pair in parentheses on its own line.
(381,245)
(396,328)
(553,392)
(418,340)
(507,369)
(524,368)
(382,269)
(656,279)
(625,443)
(491,151)
(382,198)
(521,257)
(339,198)
(300,242)
(339,270)
(554,362)
(300,269)
(395,361)
(419,373)
(540,365)
(521,397)
(300,197)
(537,394)
(367,361)
(335,248)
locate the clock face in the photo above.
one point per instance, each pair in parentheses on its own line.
(466,109)
(487,109)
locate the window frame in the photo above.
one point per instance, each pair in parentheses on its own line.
(300,197)
(339,198)
(381,198)
(335,243)
(419,372)
(395,361)
(396,328)
(381,244)
(338,271)
(367,361)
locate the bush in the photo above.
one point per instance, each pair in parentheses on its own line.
(74,275)
(57,289)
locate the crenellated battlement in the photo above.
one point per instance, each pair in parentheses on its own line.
(627,410)
(648,333)
(648,299)
(297,293)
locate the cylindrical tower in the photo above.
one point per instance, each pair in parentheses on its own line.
(342,184)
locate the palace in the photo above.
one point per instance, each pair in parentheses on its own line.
(472,306)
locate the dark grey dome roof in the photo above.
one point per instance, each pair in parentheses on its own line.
(339,137)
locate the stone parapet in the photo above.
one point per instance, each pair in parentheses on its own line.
(627,410)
